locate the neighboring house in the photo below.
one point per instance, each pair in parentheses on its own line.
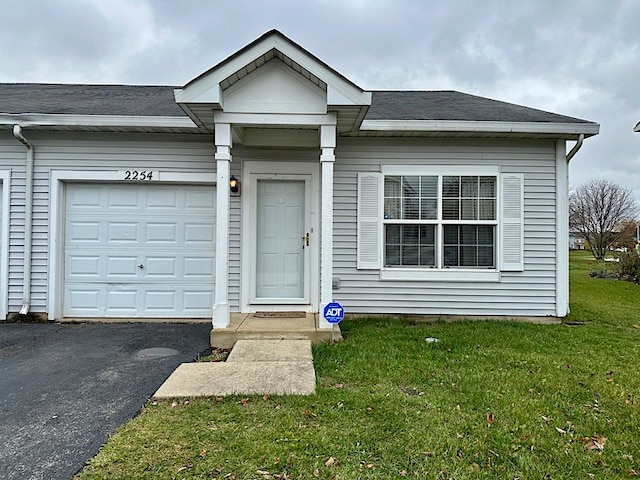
(116,200)
(576,242)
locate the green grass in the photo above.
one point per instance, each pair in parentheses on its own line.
(389,405)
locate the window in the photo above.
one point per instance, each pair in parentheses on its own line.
(440,221)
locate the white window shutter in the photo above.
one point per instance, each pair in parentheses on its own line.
(369,221)
(512,223)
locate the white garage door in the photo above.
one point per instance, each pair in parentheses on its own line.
(136,250)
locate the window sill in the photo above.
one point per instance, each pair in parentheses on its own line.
(453,275)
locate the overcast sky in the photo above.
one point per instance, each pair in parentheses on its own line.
(575,57)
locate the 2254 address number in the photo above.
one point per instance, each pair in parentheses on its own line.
(138,175)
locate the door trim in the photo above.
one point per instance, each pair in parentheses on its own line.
(252,172)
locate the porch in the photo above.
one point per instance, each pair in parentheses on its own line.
(258,326)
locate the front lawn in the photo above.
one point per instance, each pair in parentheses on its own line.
(488,400)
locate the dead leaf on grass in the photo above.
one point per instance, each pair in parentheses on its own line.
(560,431)
(316,473)
(636,326)
(265,397)
(330,461)
(594,443)
(489,418)
(310,413)
(244,402)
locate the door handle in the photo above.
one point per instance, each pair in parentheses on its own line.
(305,240)
(141,266)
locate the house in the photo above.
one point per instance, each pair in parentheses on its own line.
(576,242)
(272,182)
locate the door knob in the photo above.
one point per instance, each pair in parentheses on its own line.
(141,266)
(305,240)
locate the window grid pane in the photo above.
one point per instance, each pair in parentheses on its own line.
(410,245)
(412,199)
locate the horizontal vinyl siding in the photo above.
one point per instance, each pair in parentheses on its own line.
(86,152)
(527,293)
(13,156)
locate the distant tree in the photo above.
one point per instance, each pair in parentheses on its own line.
(599,210)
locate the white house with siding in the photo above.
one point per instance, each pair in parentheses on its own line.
(117,201)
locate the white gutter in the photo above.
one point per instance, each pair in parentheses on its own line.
(575,148)
(481,127)
(28,220)
(97,121)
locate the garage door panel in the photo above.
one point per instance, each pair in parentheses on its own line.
(149,253)
(165,267)
(83,265)
(122,232)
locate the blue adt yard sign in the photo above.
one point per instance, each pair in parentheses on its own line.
(333,312)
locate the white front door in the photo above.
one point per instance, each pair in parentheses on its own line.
(282,243)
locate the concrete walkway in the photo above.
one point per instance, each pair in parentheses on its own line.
(266,366)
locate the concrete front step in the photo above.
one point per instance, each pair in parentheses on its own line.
(275,367)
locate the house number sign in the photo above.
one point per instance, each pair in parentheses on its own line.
(138,175)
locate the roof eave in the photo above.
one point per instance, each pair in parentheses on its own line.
(568,130)
(96,121)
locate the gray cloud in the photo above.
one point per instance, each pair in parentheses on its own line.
(580,58)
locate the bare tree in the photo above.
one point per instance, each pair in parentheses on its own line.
(598,211)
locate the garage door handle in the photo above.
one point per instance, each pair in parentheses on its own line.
(141,266)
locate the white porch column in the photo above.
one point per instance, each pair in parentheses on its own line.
(327,159)
(220,315)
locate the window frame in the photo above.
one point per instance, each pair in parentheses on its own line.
(439,271)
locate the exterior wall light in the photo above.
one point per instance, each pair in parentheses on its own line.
(234,185)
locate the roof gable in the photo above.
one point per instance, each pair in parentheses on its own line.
(208,89)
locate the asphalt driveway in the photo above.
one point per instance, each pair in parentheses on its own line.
(65,388)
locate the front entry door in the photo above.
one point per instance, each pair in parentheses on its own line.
(282,241)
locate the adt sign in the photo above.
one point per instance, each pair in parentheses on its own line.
(333,312)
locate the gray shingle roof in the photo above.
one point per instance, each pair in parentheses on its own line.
(144,100)
(452,105)
(89,99)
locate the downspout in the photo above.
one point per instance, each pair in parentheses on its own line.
(28,220)
(575,148)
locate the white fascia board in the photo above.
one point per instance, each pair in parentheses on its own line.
(209,95)
(41,119)
(277,119)
(480,127)
(338,98)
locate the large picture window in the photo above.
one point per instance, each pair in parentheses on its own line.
(440,221)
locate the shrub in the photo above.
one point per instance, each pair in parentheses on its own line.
(629,265)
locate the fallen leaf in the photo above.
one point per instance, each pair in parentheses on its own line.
(339,385)
(174,404)
(428,454)
(594,443)
(546,419)
(340,404)
(316,473)
(560,431)
(278,407)
(182,469)
(636,326)
(490,418)
(203,453)
(265,397)
(310,413)
(244,402)
(330,461)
